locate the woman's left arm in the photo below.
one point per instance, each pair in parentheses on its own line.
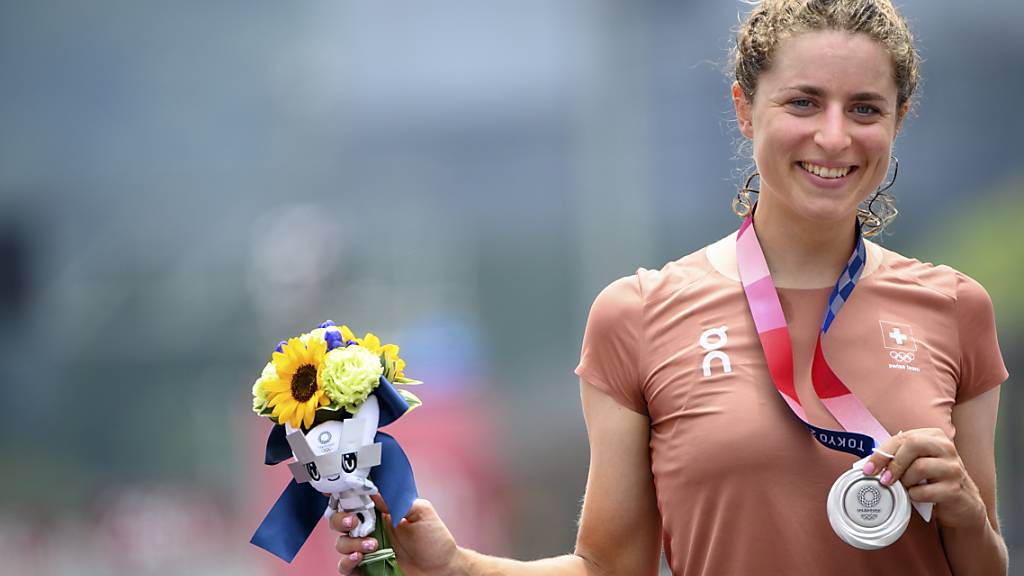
(961,481)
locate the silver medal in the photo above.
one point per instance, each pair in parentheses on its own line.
(866,514)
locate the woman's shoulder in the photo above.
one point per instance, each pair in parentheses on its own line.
(679,274)
(650,285)
(940,278)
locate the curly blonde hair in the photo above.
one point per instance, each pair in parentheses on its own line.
(773,21)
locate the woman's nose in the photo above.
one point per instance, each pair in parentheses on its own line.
(833,135)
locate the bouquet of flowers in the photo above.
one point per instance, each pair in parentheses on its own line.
(327,393)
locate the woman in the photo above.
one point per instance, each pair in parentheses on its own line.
(677,395)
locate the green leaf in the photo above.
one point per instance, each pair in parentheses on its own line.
(378,556)
(383,561)
(328,413)
(411,398)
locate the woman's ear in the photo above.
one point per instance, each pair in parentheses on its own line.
(902,114)
(744,114)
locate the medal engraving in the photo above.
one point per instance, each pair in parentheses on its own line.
(866,514)
(868,503)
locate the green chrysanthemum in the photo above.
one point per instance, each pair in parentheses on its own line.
(259,391)
(349,376)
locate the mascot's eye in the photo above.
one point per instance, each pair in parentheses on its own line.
(348,462)
(312,471)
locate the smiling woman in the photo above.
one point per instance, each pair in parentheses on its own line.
(895,65)
(700,445)
(822,122)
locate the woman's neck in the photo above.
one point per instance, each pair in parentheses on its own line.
(802,253)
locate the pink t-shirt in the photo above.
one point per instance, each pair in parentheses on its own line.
(741,484)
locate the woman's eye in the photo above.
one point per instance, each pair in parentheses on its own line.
(865,110)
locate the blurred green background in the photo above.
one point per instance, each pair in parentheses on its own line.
(183,184)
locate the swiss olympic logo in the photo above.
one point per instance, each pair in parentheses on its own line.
(901,357)
(897,336)
(898,340)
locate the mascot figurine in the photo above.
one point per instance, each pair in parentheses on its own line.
(328,393)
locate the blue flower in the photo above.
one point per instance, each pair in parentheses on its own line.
(333,337)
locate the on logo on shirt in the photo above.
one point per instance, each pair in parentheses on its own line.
(711,340)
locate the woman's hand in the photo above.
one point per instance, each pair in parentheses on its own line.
(422,543)
(928,455)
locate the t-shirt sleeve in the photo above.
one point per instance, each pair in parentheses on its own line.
(612,344)
(981,362)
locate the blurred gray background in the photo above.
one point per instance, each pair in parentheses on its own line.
(183,184)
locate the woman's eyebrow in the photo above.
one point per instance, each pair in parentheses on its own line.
(869,96)
(807,89)
(816,91)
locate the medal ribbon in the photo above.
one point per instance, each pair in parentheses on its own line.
(773,331)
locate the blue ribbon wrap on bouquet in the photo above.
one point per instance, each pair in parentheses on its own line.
(295,514)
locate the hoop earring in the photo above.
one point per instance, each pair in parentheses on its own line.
(895,172)
(743,204)
(872,222)
(885,186)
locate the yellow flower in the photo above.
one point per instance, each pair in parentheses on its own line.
(370,342)
(296,391)
(394,366)
(347,335)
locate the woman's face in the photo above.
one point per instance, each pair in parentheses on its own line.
(822,121)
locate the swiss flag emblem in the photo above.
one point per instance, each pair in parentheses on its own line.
(896,336)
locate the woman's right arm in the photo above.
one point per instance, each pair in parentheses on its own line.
(620,527)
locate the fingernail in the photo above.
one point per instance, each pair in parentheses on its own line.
(354,556)
(886,478)
(869,468)
(369,545)
(347,522)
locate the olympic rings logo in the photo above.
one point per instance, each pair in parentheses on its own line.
(901,357)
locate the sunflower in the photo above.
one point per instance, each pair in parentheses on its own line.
(296,391)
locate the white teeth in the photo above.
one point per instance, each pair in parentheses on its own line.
(823,172)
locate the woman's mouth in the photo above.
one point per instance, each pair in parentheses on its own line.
(825,172)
